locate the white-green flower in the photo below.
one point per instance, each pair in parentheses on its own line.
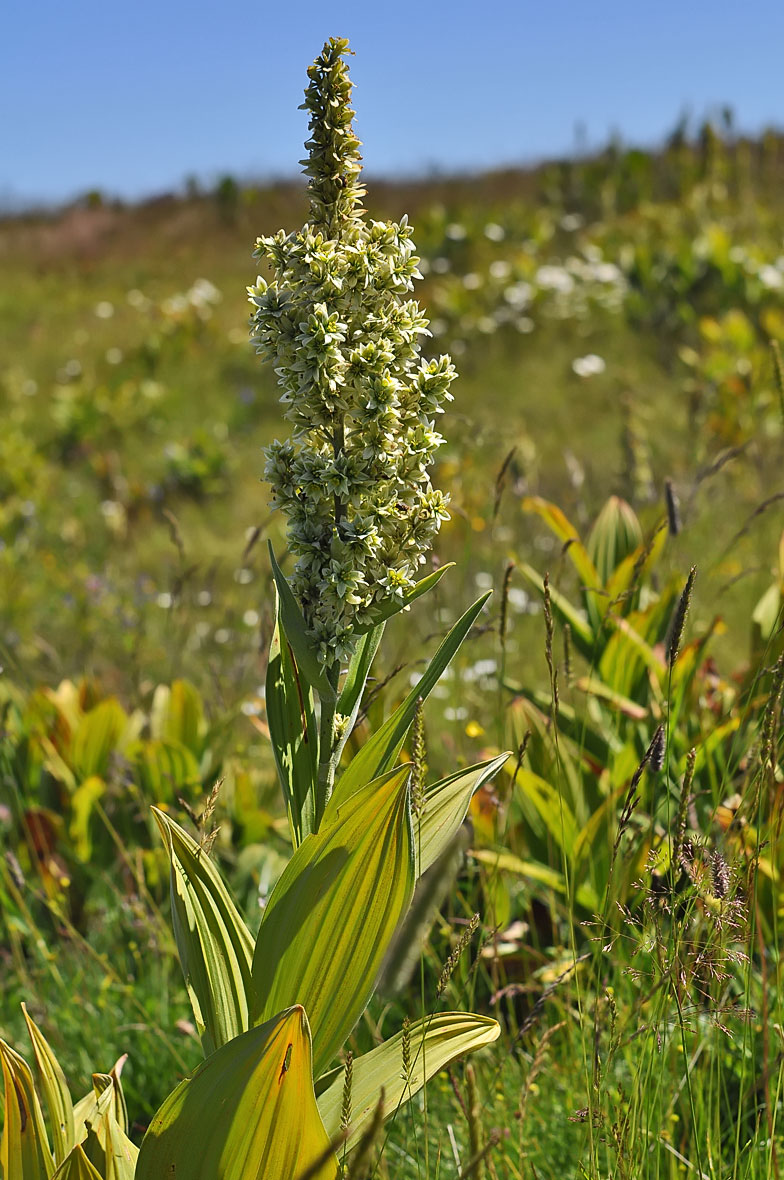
(337,324)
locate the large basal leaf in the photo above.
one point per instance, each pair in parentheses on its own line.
(551,807)
(501,861)
(102,1125)
(615,534)
(380,753)
(120,1154)
(565,531)
(77,1167)
(582,634)
(83,802)
(248,1113)
(99,733)
(105,1097)
(446,806)
(55,1091)
(293,733)
(433,1043)
(178,715)
(333,912)
(594,687)
(24,1151)
(214,944)
(165,769)
(635,567)
(296,632)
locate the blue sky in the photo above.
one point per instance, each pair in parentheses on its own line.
(133,97)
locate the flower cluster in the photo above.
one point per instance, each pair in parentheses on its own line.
(336,322)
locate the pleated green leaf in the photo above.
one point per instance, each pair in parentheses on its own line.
(121,1154)
(296,631)
(293,733)
(432,1044)
(333,913)
(248,1113)
(99,733)
(358,672)
(565,531)
(582,633)
(24,1151)
(178,714)
(214,944)
(90,1112)
(615,534)
(164,769)
(55,1091)
(636,566)
(499,860)
(551,807)
(77,1166)
(380,753)
(446,806)
(102,1126)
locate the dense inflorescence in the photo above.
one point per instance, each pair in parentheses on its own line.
(337,323)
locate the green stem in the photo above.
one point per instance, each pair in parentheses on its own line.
(328,752)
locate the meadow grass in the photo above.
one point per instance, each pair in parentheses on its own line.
(638,987)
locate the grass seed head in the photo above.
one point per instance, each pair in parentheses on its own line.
(678,621)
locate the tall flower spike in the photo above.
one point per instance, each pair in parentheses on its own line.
(334,163)
(336,322)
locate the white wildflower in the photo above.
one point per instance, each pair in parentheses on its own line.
(588,366)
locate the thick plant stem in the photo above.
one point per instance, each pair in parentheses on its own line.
(327,747)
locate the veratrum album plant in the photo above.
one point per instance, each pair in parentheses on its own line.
(272,1099)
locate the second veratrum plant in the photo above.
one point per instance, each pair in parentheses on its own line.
(272,1100)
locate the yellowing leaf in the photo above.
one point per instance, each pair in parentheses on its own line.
(179,714)
(55,1091)
(446,806)
(502,861)
(214,944)
(380,753)
(551,807)
(294,734)
(616,700)
(164,769)
(615,535)
(433,1043)
(77,1167)
(83,803)
(98,734)
(333,913)
(565,531)
(635,566)
(105,1095)
(248,1113)
(24,1151)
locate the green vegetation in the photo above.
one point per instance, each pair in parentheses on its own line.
(613,457)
